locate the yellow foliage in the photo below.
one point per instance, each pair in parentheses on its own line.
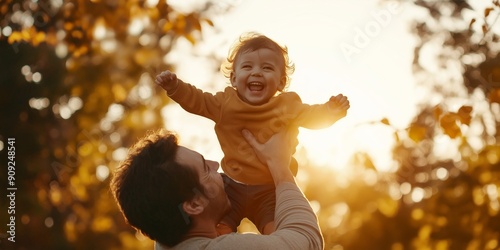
(442,245)
(385,121)
(487,11)
(448,123)
(417,133)
(388,206)
(478,196)
(492,244)
(102,224)
(119,92)
(425,232)
(464,114)
(494,96)
(417,214)
(55,194)
(70,230)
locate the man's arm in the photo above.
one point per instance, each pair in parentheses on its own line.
(296,223)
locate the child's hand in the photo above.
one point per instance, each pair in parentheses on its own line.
(339,104)
(167,80)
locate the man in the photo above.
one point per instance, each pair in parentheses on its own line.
(176,197)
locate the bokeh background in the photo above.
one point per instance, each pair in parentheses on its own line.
(414,165)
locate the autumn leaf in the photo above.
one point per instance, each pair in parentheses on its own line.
(487,11)
(437,111)
(472,21)
(417,132)
(209,22)
(485,28)
(494,96)
(464,114)
(385,121)
(448,123)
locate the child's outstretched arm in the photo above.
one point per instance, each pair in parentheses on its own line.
(189,97)
(319,116)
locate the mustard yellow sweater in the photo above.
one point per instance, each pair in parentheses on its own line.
(231,115)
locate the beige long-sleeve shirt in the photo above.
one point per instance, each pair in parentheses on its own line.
(296,228)
(231,115)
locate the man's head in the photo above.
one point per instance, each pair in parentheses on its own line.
(258,68)
(160,192)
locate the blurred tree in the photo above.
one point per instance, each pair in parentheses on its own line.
(75,90)
(450,156)
(445,193)
(448,180)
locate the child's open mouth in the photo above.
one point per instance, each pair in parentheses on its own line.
(255,86)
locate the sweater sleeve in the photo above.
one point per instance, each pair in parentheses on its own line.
(296,228)
(316,116)
(195,101)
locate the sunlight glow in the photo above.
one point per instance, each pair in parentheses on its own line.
(120,154)
(26,70)
(115,137)
(442,173)
(64,111)
(109,45)
(422,177)
(37,77)
(102,172)
(136,26)
(316,206)
(405,188)
(39,103)
(339,211)
(61,50)
(151,3)
(7,30)
(492,192)
(99,31)
(394,191)
(115,112)
(417,194)
(49,222)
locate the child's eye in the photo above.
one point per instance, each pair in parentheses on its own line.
(268,68)
(246,66)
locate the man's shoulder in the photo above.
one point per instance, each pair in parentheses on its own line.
(202,243)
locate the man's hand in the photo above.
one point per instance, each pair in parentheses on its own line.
(276,153)
(339,104)
(167,80)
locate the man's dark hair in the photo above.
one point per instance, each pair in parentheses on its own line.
(150,188)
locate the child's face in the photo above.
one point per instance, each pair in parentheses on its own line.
(258,75)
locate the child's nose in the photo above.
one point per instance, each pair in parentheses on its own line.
(256,72)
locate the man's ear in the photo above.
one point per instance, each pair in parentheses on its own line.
(232,78)
(195,206)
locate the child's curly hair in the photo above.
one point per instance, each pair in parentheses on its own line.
(253,41)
